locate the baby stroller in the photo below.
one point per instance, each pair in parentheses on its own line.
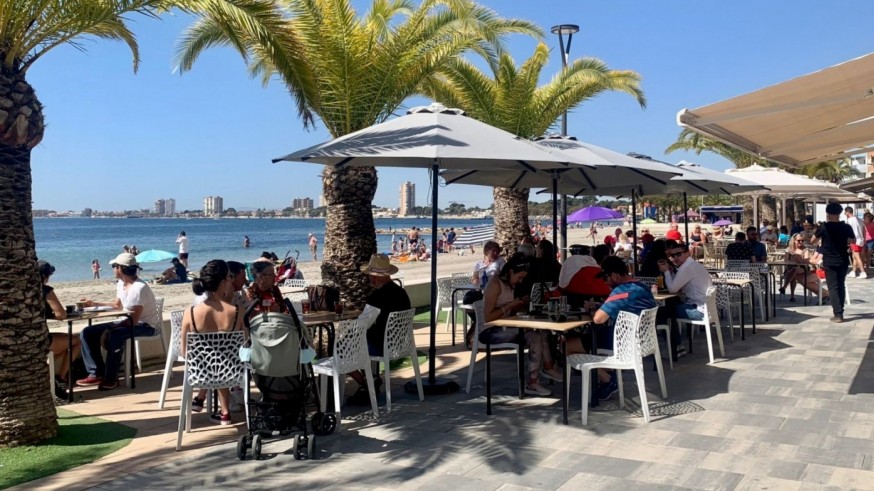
(286,384)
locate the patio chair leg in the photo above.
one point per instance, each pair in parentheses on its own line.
(184,415)
(168,371)
(585,396)
(641,387)
(621,389)
(371,390)
(387,362)
(417,370)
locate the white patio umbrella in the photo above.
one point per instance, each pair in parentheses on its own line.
(434,138)
(787,185)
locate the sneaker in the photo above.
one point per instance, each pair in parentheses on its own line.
(537,390)
(551,374)
(89,381)
(223,419)
(837,319)
(108,385)
(197,405)
(608,390)
(862,276)
(61,393)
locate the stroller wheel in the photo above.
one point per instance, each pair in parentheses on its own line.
(241,448)
(324,424)
(295,448)
(256,446)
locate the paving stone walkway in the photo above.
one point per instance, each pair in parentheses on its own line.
(792,407)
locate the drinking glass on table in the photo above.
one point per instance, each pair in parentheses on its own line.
(305,306)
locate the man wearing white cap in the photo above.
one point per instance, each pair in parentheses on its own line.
(133,296)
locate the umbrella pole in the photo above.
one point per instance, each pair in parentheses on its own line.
(686,215)
(564,227)
(434,385)
(634,227)
(555,214)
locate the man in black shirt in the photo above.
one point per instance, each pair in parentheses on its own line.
(835,238)
(740,249)
(388,297)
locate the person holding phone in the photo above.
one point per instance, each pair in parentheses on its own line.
(685,275)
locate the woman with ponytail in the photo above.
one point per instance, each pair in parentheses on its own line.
(214,314)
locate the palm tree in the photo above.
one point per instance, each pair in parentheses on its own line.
(350,72)
(511,99)
(28,30)
(689,140)
(834,171)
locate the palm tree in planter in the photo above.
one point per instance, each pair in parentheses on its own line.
(28,30)
(510,98)
(349,71)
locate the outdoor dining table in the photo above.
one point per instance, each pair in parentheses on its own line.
(455,290)
(56,326)
(530,322)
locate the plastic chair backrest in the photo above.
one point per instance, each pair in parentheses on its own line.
(736,264)
(710,313)
(159,308)
(478,311)
(295,283)
(647,280)
(399,339)
(626,348)
(350,346)
(444,292)
(213,359)
(176,332)
(647,331)
(733,293)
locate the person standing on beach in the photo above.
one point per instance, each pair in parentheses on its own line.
(95,268)
(314,245)
(835,238)
(182,240)
(246,241)
(413,239)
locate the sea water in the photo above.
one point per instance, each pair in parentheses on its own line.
(70,244)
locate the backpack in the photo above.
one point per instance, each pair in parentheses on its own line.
(322,298)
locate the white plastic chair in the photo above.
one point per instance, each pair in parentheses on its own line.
(626,356)
(755,272)
(474,345)
(212,361)
(350,353)
(444,298)
(711,316)
(174,354)
(823,284)
(399,343)
(158,336)
(647,280)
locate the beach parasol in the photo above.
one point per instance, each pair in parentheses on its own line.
(433,137)
(722,223)
(154,256)
(647,221)
(593,213)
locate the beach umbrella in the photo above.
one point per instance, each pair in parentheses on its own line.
(154,256)
(722,223)
(433,137)
(475,236)
(593,213)
(647,221)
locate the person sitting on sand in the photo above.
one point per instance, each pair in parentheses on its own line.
(59,344)
(174,274)
(422,253)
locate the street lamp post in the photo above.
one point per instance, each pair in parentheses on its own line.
(561,30)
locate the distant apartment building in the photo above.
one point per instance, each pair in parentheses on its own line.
(322,201)
(408,199)
(302,204)
(87,212)
(213,205)
(165,207)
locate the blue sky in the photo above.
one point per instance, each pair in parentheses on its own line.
(118,140)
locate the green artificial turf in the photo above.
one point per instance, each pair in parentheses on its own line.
(406,362)
(81,439)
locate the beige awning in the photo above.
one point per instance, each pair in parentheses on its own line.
(824,115)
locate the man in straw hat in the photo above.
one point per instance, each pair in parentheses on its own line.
(132,295)
(388,297)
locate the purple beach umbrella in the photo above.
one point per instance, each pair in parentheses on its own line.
(592,213)
(722,223)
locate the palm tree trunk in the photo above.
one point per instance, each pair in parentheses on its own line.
(350,236)
(511,217)
(27,412)
(769,209)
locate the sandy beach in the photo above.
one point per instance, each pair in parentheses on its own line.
(179,296)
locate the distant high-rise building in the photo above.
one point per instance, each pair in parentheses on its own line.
(87,212)
(213,205)
(159,207)
(322,201)
(408,199)
(169,207)
(302,204)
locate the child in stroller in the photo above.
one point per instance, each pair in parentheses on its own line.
(279,360)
